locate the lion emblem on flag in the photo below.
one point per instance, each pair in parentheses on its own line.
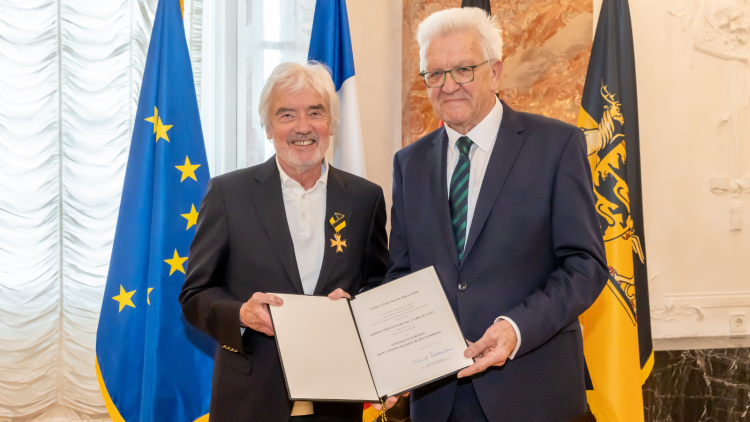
(606,150)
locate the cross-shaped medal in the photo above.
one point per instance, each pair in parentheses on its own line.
(338,243)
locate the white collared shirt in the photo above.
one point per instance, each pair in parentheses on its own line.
(483,136)
(305,214)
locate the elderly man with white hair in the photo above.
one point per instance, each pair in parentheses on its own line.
(500,202)
(293,224)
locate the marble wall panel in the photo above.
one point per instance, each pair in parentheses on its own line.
(418,118)
(710,385)
(546,53)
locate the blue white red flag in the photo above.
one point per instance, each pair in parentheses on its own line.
(331,44)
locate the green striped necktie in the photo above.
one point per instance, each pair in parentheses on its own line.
(459,194)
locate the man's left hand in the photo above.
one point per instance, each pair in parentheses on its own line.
(492,349)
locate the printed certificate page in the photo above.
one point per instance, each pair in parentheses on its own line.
(409,333)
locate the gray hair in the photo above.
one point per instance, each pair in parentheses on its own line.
(297,77)
(460,20)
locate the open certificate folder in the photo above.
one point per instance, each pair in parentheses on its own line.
(383,342)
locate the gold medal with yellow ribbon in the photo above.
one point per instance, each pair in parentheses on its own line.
(338,223)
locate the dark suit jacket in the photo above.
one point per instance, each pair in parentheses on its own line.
(534,253)
(243,245)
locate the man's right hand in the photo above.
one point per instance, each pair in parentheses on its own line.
(254,313)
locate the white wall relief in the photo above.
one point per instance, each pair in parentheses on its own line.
(693,314)
(663,308)
(693,72)
(721,28)
(735,187)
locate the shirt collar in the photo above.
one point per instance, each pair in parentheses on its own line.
(483,134)
(288,182)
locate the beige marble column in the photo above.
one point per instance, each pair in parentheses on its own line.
(546,52)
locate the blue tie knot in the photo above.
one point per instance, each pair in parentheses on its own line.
(464,145)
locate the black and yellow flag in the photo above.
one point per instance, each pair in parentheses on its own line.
(482,4)
(617,328)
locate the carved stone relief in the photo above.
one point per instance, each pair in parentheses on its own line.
(692,314)
(721,29)
(666,309)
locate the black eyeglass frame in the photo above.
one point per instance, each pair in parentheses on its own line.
(446,72)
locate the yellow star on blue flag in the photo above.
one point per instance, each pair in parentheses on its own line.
(188,169)
(175,263)
(160,129)
(151,363)
(124,298)
(192,217)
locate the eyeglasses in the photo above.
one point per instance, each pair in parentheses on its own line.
(460,75)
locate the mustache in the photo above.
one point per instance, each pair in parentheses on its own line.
(303,137)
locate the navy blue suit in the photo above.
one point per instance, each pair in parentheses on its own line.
(534,253)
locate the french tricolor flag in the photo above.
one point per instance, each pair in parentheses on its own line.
(331,44)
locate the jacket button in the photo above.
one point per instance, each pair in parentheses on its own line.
(462,286)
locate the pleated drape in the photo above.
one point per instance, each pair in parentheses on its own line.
(70,76)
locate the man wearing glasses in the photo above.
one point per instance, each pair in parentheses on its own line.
(501,203)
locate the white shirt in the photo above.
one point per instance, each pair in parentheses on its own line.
(305,214)
(483,137)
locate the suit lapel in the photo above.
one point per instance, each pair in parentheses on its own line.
(437,171)
(507,146)
(269,202)
(337,201)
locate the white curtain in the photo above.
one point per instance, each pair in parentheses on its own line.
(70,76)
(193,19)
(269,32)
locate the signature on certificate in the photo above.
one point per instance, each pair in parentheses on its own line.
(415,361)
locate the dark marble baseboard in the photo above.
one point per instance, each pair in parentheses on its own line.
(710,385)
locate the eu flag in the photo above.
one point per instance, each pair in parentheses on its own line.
(152,364)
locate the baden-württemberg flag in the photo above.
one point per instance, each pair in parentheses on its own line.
(331,44)
(152,364)
(617,328)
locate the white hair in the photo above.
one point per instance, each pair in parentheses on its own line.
(461,20)
(295,77)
